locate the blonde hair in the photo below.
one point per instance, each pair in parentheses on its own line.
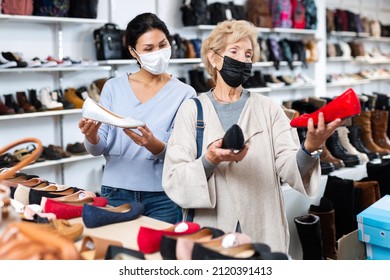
(225,33)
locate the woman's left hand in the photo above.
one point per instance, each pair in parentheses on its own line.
(146,139)
(316,136)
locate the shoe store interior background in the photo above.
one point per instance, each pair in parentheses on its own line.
(49,64)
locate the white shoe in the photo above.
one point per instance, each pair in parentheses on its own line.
(94,111)
(47,100)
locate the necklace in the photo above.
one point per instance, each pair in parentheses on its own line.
(214,94)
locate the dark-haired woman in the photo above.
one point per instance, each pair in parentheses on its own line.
(135,157)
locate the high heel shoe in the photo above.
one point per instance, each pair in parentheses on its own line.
(94,111)
(94,216)
(345,105)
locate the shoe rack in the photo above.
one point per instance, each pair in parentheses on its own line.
(375,61)
(58,127)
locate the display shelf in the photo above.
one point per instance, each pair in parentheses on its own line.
(47,163)
(262,30)
(133,61)
(349,34)
(348,83)
(308,86)
(50,20)
(361,60)
(40,114)
(55,69)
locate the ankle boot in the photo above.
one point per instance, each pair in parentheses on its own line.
(370,193)
(32,93)
(364,122)
(327,156)
(354,136)
(335,148)
(379,119)
(23,102)
(72,97)
(328,228)
(309,232)
(343,106)
(60,98)
(345,142)
(341,192)
(11,103)
(195,82)
(5,110)
(47,101)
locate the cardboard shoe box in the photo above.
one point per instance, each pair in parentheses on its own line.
(374,229)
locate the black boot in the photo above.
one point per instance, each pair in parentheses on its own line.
(32,93)
(336,149)
(357,142)
(11,103)
(195,81)
(380,172)
(342,194)
(309,232)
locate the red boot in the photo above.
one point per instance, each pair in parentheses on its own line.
(344,106)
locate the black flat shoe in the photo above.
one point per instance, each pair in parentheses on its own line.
(113,251)
(253,251)
(234,138)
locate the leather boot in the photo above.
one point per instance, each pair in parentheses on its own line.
(32,93)
(309,232)
(326,156)
(379,120)
(380,172)
(345,142)
(328,228)
(383,103)
(364,122)
(334,146)
(370,193)
(5,110)
(195,82)
(342,194)
(354,136)
(11,103)
(23,102)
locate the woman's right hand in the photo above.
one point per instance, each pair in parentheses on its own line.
(90,129)
(215,154)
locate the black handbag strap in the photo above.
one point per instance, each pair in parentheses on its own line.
(199,127)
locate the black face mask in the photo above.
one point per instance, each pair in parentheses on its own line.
(235,72)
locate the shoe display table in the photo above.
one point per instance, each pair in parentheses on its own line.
(126,232)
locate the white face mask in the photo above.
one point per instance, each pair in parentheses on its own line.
(155,62)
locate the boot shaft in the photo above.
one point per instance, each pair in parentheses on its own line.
(309,232)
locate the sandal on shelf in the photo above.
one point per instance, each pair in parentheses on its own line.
(95,248)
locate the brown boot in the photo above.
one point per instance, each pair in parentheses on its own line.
(364,122)
(379,120)
(328,228)
(326,156)
(369,193)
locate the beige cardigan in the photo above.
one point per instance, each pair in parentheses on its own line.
(248,191)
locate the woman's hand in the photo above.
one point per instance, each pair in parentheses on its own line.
(90,129)
(215,154)
(146,139)
(316,136)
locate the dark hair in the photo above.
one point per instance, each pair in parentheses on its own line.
(142,24)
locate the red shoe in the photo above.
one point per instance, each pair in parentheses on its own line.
(344,106)
(149,239)
(70,210)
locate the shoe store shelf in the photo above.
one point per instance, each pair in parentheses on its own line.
(59,161)
(133,61)
(50,20)
(297,87)
(358,60)
(56,69)
(349,34)
(40,114)
(262,30)
(348,83)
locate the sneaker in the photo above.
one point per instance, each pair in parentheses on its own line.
(4,63)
